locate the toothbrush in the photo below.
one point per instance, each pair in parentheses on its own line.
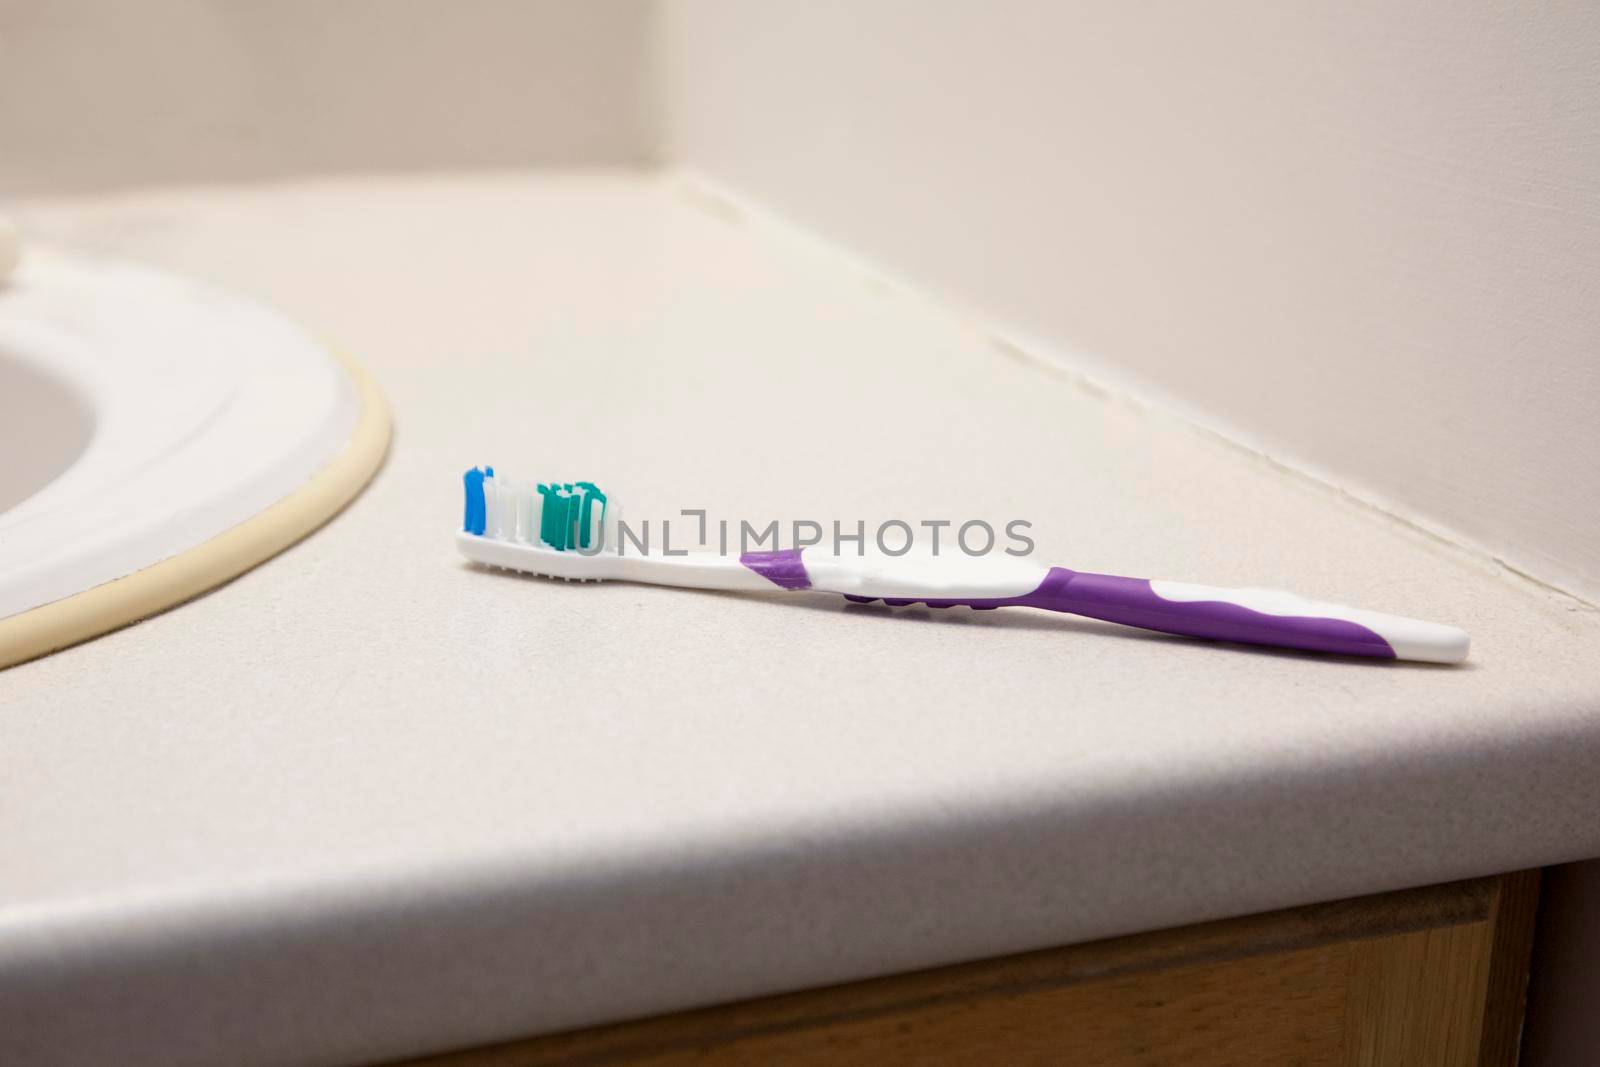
(571,531)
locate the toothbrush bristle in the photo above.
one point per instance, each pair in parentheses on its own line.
(558,515)
(473,482)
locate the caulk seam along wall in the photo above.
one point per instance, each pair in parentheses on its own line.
(1362,240)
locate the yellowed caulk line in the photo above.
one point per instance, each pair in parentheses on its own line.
(211,563)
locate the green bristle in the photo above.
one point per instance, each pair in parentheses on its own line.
(591,494)
(570,502)
(550,517)
(567,515)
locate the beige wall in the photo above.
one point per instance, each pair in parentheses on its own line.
(99,93)
(1364,237)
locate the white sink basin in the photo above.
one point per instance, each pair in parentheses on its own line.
(46,421)
(141,416)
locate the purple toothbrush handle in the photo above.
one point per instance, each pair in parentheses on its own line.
(1251,616)
(1132,602)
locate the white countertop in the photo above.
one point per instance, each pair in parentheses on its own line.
(367,801)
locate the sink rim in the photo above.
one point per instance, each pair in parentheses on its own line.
(192,545)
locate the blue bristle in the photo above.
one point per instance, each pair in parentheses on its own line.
(476,512)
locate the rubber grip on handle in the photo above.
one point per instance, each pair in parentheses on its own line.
(1253,616)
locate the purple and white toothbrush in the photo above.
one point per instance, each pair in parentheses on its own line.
(568,530)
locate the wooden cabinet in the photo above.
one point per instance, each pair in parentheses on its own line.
(1420,977)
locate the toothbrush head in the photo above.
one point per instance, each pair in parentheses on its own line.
(555,515)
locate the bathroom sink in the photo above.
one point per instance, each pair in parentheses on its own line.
(143,416)
(46,421)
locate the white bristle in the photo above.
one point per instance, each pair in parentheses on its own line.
(504,519)
(508,509)
(526,523)
(596,521)
(491,494)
